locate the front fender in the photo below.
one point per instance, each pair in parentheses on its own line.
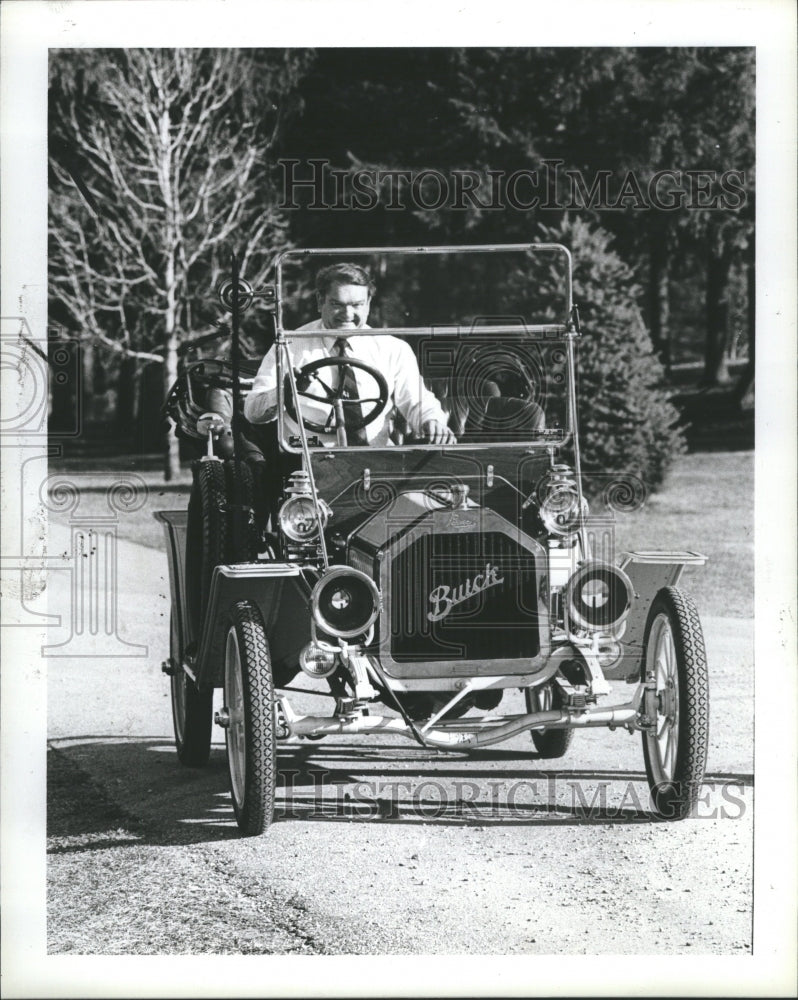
(649,572)
(281,593)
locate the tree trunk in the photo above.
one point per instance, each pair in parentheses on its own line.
(744,391)
(719,260)
(659,292)
(172,449)
(171,467)
(126,399)
(87,382)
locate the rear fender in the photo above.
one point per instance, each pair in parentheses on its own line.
(649,572)
(282,595)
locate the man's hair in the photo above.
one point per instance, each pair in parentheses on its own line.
(342,274)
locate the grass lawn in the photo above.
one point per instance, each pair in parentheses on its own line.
(705,505)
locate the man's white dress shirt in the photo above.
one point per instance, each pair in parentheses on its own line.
(389,355)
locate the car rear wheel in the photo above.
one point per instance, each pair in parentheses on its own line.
(249,705)
(191,709)
(552,743)
(675,749)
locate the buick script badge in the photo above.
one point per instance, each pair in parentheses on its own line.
(444,598)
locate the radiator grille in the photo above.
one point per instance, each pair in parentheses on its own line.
(480,588)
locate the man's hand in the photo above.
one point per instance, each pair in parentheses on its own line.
(438,433)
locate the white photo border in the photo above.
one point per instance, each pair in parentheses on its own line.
(29,29)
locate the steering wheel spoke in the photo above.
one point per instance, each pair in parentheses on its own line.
(329,393)
(374,399)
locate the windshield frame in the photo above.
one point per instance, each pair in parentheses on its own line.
(564,331)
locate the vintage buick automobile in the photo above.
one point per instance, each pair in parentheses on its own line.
(420,582)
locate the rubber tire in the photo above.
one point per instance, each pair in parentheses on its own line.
(251,735)
(250,533)
(553,743)
(675,797)
(192,710)
(207,539)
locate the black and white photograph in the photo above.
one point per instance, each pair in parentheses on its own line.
(398,499)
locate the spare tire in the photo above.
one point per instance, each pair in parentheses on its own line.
(207,538)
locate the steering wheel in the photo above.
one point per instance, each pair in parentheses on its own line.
(308,376)
(187,399)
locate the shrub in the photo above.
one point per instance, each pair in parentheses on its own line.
(627,421)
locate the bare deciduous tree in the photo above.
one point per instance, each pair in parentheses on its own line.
(155,176)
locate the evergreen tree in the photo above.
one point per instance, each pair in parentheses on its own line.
(627,422)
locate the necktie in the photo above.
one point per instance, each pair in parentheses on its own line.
(352,411)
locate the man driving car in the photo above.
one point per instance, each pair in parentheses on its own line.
(344,293)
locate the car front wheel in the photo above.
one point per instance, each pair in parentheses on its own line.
(675,748)
(250,724)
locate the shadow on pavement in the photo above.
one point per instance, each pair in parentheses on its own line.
(106,792)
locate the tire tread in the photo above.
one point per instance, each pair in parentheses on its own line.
(677,799)
(254,815)
(207,542)
(549,744)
